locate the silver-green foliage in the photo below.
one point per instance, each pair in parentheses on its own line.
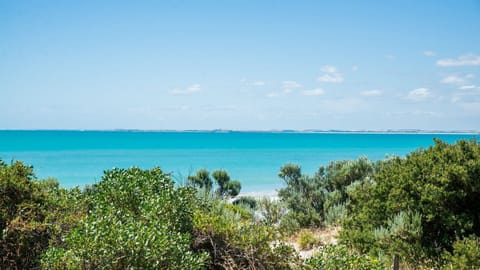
(271,211)
(402,235)
(139,220)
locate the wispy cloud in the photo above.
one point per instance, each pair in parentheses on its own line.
(453,79)
(463,60)
(328,69)
(331,78)
(258,83)
(313,92)
(419,94)
(456,79)
(467,87)
(429,53)
(354,68)
(187,91)
(371,93)
(290,84)
(275,94)
(331,75)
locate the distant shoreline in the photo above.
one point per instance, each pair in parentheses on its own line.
(306,131)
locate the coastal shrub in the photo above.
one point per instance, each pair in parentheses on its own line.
(440,183)
(139,220)
(226,186)
(234,241)
(307,240)
(338,175)
(23,208)
(201,180)
(246,202)
(335,214)
(303,195)
(401,236)
(340,179)
(465,254)
(341,257)
(65,208)
(271,211)
(33,215)
(321,199)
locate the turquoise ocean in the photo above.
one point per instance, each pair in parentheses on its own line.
(254,158)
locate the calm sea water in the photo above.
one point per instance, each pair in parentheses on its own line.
(254,158)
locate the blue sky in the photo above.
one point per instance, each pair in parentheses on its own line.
(240,65)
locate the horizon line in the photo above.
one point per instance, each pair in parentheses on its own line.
(220,130)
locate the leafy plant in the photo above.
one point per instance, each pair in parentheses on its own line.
(340,257)
(307,240)
(303,195)
(226,232)
(440,183)
(465,255)
(139,220)
(226,187)
(271,211)
(201,180)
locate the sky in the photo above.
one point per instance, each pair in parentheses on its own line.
(242,65)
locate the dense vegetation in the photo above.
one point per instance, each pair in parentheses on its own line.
(423,209)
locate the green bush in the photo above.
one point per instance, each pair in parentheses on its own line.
(306,240)
(246,202)
(226,187)
(226,232)
(23,209)
(271,211)
(440,183)
(139,220)
(303,196)
(340,257)
(321,199)
(401,236)
(465,255)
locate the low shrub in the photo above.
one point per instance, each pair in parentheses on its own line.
(307,240)
(465,255)
(340,257)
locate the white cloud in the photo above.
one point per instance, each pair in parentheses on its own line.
(371,93)
(330,75)
(453,79)
(419,94)
(466,93)
(258,83)
(290,84)
(457,79)
(187,91)
(328,69)
(467,87)
(389,56)
(354,68)
(314,92)
(463,60)
(331,78)
(429,53)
